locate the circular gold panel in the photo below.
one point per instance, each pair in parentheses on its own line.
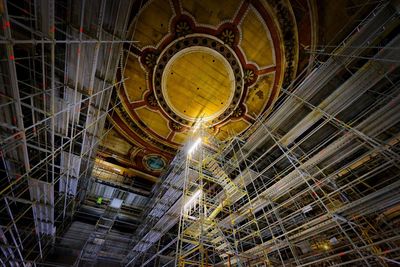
(198,83)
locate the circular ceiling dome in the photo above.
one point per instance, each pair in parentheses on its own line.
(198,82)
(221,63)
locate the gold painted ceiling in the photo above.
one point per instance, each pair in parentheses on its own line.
(221,62)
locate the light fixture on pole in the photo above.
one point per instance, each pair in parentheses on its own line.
(192,200)
(194,146)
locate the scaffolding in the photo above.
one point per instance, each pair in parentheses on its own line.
(313,183)
(199,233)
(58,67)
(90,252)
(271,219)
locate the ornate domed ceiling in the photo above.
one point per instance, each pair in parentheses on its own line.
(223,62)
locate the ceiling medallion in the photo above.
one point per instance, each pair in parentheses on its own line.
(192,53)
(198,82)
(228,37)
(197,75)
(151,100)
(183,28)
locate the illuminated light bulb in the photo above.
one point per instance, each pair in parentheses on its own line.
(194,146)
(192,199)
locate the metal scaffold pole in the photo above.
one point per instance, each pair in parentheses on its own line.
(200,235)
(57,83)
